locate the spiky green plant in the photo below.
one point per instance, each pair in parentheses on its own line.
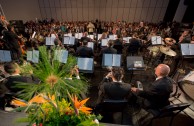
(52,74)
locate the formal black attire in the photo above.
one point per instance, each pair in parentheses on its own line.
(158,94)
(85,38)
(118,45)
(108,50)
(113,90)
(84,51)
(11,42)
(133,47)
(9,89)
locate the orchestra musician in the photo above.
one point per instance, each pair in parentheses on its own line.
(11,41)
(185,37)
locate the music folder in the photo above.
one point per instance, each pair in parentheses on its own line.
(104,42)
(61,55)
(110,60)
(187,49)
(91,45)
(33,56)
(68,40)
(86,65)
(126,39)
(5,56)
(50,40)
(135,63)
(156,40)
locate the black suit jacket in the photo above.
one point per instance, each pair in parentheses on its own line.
(84,51)
(9,85)
(158,94)
(114,91)
(108,50)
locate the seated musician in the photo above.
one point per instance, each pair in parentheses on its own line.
(8,86)
(157,95)
(84,51)
(112,86)
(134,45)
(118,44)
(109,49)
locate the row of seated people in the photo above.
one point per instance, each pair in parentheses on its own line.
(154,97)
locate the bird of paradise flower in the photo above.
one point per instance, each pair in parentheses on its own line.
(40,99)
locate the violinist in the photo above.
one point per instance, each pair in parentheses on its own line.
(185,37)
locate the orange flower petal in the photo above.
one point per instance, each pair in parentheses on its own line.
(38,99)
(84,101)
(18,102)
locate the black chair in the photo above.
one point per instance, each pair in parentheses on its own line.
(113,106)
(168,111)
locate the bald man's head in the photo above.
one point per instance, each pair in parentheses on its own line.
(162,70)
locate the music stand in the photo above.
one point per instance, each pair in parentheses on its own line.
(5,56)
(110,60)
(85,65)
(135,63)
(156,40)
(33,56)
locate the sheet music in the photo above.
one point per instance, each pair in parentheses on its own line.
(63,56)
(91,36)
(66,35)
(53,36)
(99,36)
(108,59)
(35,56)
(104,42)
(66,40)
(85,63)
(69,34)
(29,55)
(52,40)
(116,60)
(91,45)
(138,64)
(191,49)
(72,40)
(126,39)
(77,35)
(156,40)
(111,37)
(48,41)
(7,56)
(80,35)
(185,49)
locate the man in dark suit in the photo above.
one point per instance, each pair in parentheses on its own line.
(108,50)
(157,95)
(112,86)
(11,42)
(118,44)
(84,51)
(134,45)
(9,84)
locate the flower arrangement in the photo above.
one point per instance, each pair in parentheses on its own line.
(49,111)
(49,102)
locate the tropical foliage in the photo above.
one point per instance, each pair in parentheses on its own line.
(51,74)
(49,101)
